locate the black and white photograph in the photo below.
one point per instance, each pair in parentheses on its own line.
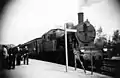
(59,38)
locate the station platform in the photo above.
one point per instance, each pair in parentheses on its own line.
(43,69)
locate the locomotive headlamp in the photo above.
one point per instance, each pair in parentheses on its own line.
(105,49)
(34,49)
(82,50)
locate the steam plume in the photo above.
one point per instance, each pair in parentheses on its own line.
(86,3)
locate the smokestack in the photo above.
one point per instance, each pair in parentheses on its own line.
(80,17)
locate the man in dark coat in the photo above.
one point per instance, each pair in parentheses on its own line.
(26,54)
(12,55)
(18,58)
(5,56)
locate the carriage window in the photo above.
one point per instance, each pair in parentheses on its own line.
(80,31)
(86,45)
(43,36)
(48,38)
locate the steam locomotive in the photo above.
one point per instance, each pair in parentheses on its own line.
(51,46)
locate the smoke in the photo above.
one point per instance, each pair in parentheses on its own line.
(86,3)
(90,2)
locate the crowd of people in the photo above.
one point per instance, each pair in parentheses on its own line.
(10,57)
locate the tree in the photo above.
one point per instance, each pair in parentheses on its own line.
(99,31)
(116,36)
(101,38)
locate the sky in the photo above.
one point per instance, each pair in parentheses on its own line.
(24,20)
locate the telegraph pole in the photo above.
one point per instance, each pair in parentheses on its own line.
(66,48)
